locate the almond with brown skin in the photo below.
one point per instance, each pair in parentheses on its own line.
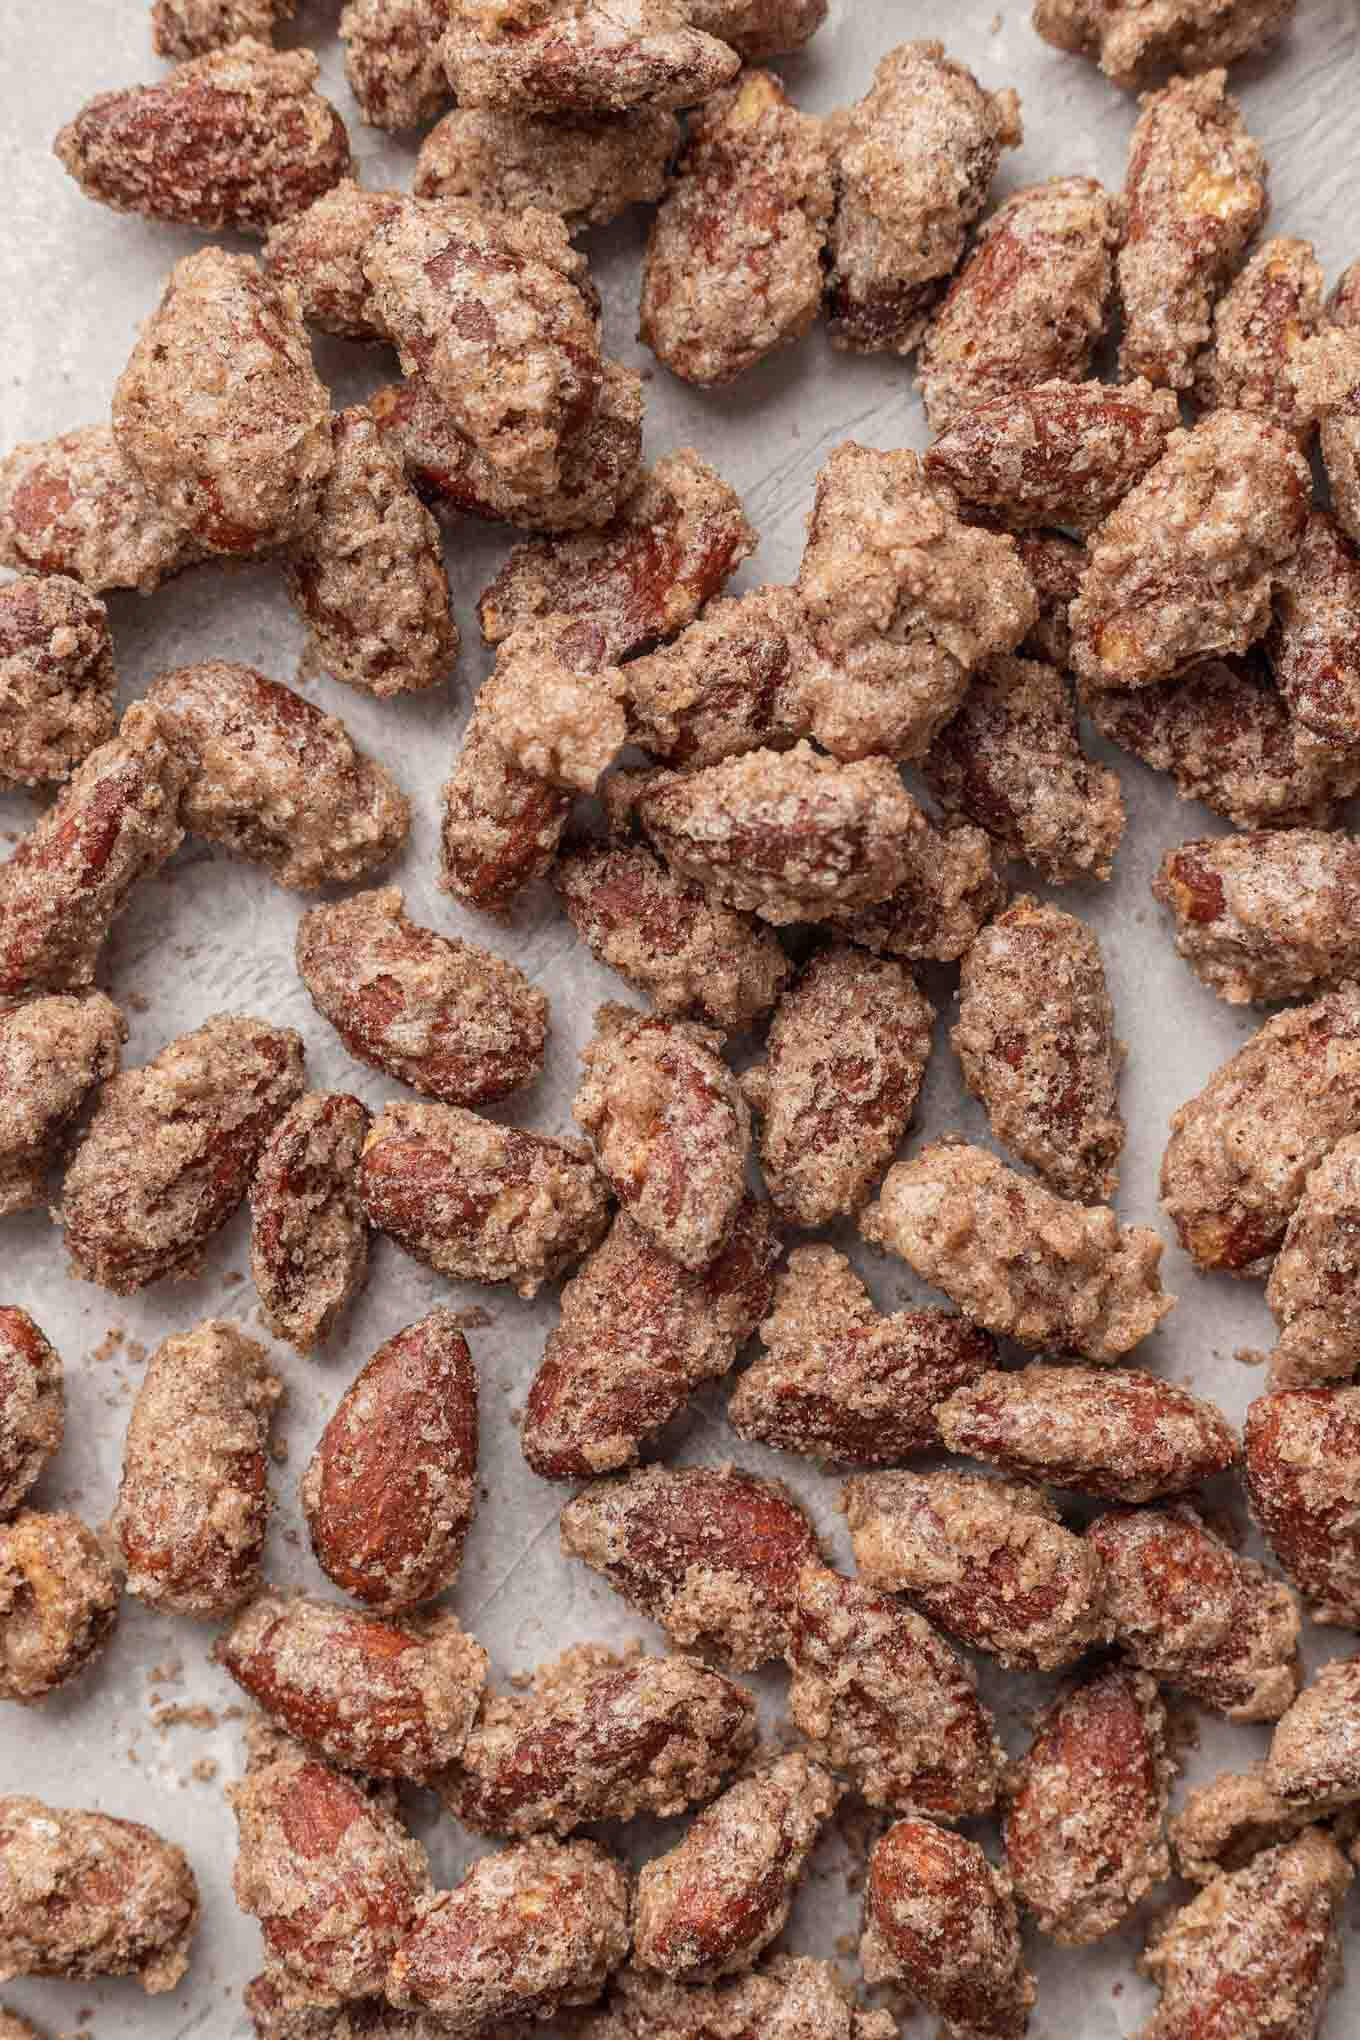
(560,58)
(308,1233)
(75,505)
(32,1404)
(59,1594)
(57,678)
(55,1052)
(1314,640)
(1302,1449)
(1314,1762)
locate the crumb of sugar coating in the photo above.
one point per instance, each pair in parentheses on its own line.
(1272,306)
(580,56)
(1266,915)
(393,61)
(588,171)
(1314,642)
(1300,1456)
(58,1603)
(789,1998)
(55,1051)
(32,1404)
(1223,1824)
(1314,1286)
(951,889)
(308,1232)
(75,505)
(190,28)
(57,678)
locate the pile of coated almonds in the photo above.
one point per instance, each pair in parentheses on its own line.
(1147,549)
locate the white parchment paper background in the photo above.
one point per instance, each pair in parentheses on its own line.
(75,281)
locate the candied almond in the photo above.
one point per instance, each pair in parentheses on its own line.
(56,678)
(1273,305)
(1314,1286)
(1131,40)
(1314,1762)
(580,56)
(55,1052)
(588,171)
(1223,1824)
(75,505)
(32,1404)
(320,253)
(1326,377)
(1055,564)
(790,1998)
(190,28)
(758,28)
(951,889)
(729,683)
(1266,915)
(58,1603)
(308,1233)
(393,60)
(1314,640)
(1301,1452)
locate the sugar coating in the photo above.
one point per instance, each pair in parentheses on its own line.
(588,171)
(903,601)
(1257,1954)
(912,162)
(638,1334)
(790,1998)
(320,251)
(1025,1264)
(951,889)
(600,1737)
(1273,305)
(56,679)
(581,56)
(1266,915)
(730,682)
(55,1051)
(758,28)
(83,1895)
(1314,641)
(393,62)
(1194,195)
(884,1700)
(32,1404)
(711,1905)
(1312,1291)
(1085,1820)
(1242,1148)
(308,1233)
(1194,1614)
(58,1603)
(114,822)
(236,138)
(1314,1760)
(733,265)
(1300,1458)
(986,1559)
(1029,303)
(1326,377)
(75,505)
(1223,1824)
(846,1052)
(274,778)
(190,28)
(1132,39)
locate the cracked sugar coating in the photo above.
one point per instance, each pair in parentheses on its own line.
(368,576)
(1257,1954)
(1314,1758)
(670,1128)
(1268,915)
(940,1921)
(588,171)
(54,1054)
(1134,39)
(1301,1457)
(527,1931)
(711,1905)
(789,835)
(393,1700)
(32,1405)
(1055,453)
(838,1381)
(452,1020)
(1242,1148)
(1194,195)
(912,163)
(329,1872)
(729,683)
(274,778)
(83,1896)
(580,56)
(952,888)
(1085,1819)
(57,679)
(987,1559)
(1314,642)
(1274,305)
(114,822)
(391,1490)
(1025,1264)
(1183,568)
(1036,1042)
(169,1152)
(845,1055)
(791,1998)
(1314,1286)
(637,1335)
(58,1603)
(194,1501)
(712,1554)
(1114,1432)
(308,1233)
(238,138)
(733,266)
(1223,1824)
(1227,738)
(74,505)
(693,958)
(888,1703)
(320,253)
(495,311)
(903,601)
(673,545)
(1030,301)
(393,61)
(1011,760)
(221,411)
(190,28)
(481,1202)
(600,1737)
(1194,1614)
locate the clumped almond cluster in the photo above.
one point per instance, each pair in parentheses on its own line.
(1066,546)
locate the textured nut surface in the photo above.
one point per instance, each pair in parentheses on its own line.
(1267,915)
(951,889)
(115,821)
(758,28)
(1055,564)
(1314,640)
(1241,1150)
(712,1554)
(600,1737)
(58,1603)
(588,171)
(731,681)
(1023,1263)
(221,411)
(169,1153)
(395,1700)
(1225,1823)
(193,1503)
(790,1998)
(75,505)
(1314,1761)
(235,138)
(190,28)
(308,1233)
(56,679)
(1198,1617)
(1326,377)
(320,253)
(1132,40)
(32,1404)
(54,1054)
(481,1202)
(884,1700)
(393,61)
(986,1559)
(1301,1453)
(912,163)
(391,1489)
(558,56)
(1274,305)
(1084,1828)
(83,1895)
(1314,1286)
(637,1335)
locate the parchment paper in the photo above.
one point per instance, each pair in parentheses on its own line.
(75,280)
